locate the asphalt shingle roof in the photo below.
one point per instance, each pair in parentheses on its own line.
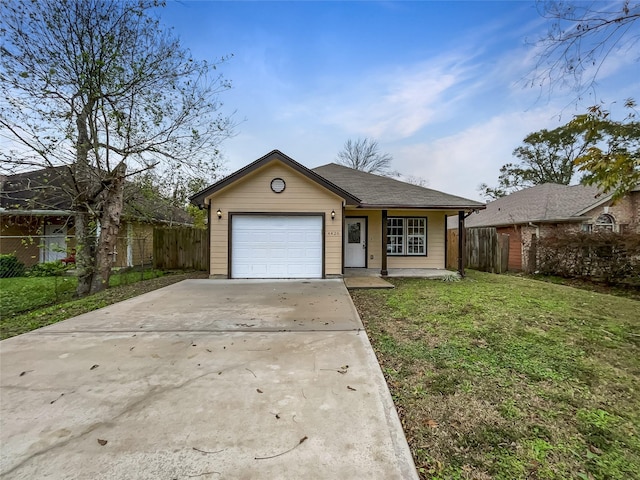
(376,190)
(51,189)
(541,203)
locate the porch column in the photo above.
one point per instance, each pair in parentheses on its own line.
(461,239)
(384,271)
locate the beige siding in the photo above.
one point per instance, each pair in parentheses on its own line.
(23,236)
(435,238)
(252,194)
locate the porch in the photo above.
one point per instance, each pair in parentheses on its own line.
(371,278)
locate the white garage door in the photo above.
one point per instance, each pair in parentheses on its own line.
(276,246)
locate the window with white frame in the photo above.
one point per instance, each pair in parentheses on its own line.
(605,222)
(406,236)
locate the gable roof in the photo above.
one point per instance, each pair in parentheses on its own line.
(198,198)
(549,202)
(385,192)
(50,190)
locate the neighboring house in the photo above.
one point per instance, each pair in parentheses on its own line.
(550,208)
(37,222)
(276,218)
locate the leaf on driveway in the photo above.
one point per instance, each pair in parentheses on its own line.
(351,388)
(94,367)
(258,390)
(102,442)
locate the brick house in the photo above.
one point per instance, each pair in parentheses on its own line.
(549,208)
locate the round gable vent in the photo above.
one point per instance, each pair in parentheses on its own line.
(278,185)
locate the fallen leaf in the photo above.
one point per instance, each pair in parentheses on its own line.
(258,390)
(595,450)
(351,388)
(94,367)
(432,423)
(102,442)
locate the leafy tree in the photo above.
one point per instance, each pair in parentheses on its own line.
(613,159)
(364,155)
(547,156)
(102,88)
(580,38)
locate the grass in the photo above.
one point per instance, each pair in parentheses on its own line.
(30,303)
(23,294)
(501,377)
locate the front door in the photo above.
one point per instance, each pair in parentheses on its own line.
(355,248)
(54,246)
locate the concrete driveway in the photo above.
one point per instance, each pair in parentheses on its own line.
(202,379)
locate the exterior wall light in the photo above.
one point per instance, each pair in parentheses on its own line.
(219,213)
(333,214)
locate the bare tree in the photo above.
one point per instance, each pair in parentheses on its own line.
(580,38)
(364,155)
(102,90)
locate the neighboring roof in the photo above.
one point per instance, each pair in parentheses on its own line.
(50,190)
(548,202)
(385,192)
(198,198)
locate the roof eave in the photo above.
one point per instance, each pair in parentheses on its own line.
(420,207)
(35,212)
(527,222)
(198,198)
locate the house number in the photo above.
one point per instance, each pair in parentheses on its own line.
(333,233)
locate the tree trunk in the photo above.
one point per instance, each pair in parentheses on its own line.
(109,228)
(85,242)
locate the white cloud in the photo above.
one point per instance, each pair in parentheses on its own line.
(458,163)
(388,104)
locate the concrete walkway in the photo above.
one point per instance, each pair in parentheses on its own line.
(202,379)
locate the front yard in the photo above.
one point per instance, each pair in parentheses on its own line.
(509,378)
(27,303)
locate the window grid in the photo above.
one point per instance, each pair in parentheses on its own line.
(416,235)
(406,236)
(395,236)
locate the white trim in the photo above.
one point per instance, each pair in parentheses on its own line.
(129,244)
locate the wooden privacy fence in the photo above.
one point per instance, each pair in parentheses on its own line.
(485,250)
(180,248)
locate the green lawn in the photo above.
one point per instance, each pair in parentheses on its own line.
(23,294)
(501,377)
(123,287)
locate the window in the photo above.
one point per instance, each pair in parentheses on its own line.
(605,222)
(406,236)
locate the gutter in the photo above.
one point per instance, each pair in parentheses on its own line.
(418,207)
(37,212)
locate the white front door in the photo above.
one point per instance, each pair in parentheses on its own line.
(355,247)
(54,246)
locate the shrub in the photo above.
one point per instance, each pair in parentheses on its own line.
(10,266)
(612,257)
(47,269)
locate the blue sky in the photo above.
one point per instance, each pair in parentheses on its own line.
(442,86)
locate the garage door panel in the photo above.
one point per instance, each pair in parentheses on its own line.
(276,247)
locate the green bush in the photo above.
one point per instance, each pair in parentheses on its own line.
(10,266)
(47,269)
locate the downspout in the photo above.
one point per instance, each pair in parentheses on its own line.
(533,249)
